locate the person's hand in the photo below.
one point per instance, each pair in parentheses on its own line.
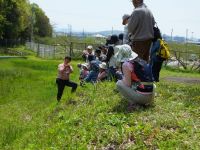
(66,66)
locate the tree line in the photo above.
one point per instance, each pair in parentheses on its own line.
(21,20)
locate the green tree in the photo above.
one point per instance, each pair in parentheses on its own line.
(2,18)
(42,26)
(14,18)
(19,19)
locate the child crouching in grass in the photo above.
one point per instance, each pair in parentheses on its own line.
(84,71)
(103,74)
(64,71)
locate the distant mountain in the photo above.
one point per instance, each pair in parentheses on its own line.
(83,33)
(107,33)
(117,32)
(181,39)
(174,38)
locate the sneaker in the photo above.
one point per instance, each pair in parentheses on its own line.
(58,99)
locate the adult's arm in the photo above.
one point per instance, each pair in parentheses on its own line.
(61,68)
(126,67)
(133,22)
(70,69)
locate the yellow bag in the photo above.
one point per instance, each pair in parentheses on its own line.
(164,51)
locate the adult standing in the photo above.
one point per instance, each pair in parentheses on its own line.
(140,26)
(125,23)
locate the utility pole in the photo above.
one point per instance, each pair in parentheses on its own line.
(112,30)
(83,33)
(70,29)
(186,46)
(186,38)
(192,36)
(64,32)
(172,34)
(70,36)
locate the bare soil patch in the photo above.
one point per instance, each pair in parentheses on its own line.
(183,80)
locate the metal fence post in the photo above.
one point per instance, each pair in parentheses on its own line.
(54,51)
(38,50)
(186,55)
(6,43)
(71,49)
(179,56)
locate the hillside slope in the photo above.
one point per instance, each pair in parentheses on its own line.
(95,117)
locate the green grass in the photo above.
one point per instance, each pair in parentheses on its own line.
(92,118)
(16,51)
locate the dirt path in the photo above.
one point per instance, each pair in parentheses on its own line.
(183,80)
(6,57)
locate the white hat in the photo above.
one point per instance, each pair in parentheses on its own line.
(89,47)
(103,65)
(124,53)
(85,65)
(133,55)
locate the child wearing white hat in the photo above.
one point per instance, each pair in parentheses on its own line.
(84,71)
(102,72)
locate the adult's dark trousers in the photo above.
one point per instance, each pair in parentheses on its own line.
(61,85)
(156,67)
(142,48)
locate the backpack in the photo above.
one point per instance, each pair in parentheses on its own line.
(141,71)
(157,33)
(164,51)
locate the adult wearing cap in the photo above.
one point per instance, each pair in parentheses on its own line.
(140,26)
(89,49)
(88,52)
(130,89)
(125,23)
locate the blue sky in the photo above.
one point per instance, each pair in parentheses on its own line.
(99,15)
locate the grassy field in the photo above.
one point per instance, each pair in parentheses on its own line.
(92,118)
(189,48)
(16,51)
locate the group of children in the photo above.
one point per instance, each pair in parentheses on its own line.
(113,61)
(95,68)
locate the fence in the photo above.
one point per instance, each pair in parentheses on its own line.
(185,55)
(72,49)
(184,59)
(181,56)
